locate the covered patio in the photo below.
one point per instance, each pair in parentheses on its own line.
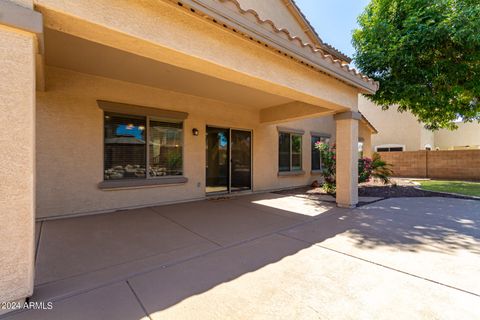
(265,256)
(107,106)
(76,254)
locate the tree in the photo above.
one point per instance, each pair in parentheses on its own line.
(426,56)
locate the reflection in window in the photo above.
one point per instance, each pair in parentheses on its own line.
(125,153)
(124,150)
(289,152)
(360,149)
(284,152)
(296,152)
(316,158)
(165,153)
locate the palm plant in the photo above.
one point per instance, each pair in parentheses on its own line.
(367,168)
(380,169)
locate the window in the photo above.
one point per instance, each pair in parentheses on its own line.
(290,152)
(360,149)
(316,157)
(125,152)
(165,146)
(389,149)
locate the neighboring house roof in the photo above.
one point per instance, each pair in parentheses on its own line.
(369,124)
(312,33)
(249,24)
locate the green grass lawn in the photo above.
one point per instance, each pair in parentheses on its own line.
(460,187)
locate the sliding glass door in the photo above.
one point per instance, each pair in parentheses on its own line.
(228,160)
(241,173)
(218,160)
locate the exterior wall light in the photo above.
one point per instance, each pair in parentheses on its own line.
(195,131)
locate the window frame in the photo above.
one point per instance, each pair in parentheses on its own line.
(182,141)
(291,133)
(148,114)
(389,147)
(148,119)
(326,139)
(291,152)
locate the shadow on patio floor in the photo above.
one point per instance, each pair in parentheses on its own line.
(172,253)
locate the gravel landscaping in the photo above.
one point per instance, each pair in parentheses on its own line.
(399,188)
(373,191)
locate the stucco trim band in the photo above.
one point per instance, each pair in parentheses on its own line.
(291,173)
(348,115)
(126,184)
(291,130)
(320,134)
(132,109)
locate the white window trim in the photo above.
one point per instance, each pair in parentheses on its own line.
(390,145)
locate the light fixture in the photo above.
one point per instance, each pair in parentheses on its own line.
(195,131)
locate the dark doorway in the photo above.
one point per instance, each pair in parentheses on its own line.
(228,160)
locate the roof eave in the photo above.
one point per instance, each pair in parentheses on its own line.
(318,40)
(294,46)
(369,124)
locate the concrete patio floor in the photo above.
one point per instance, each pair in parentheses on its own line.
(264,256)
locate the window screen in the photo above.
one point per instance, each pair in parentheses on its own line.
(165,148)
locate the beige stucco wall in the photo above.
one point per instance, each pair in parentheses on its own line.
(17,169)
(404,129)
(70,144)
(394,127)
(467,134)
(365,135)
(427,138)
(168,33)
(24,3)
(278,13)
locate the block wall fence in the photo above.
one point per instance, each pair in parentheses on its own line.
(445,164)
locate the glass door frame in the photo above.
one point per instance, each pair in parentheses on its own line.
(229,186)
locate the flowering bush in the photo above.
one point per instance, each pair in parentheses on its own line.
(367,168)
(364,169)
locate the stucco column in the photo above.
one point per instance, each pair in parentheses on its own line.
(347,158)
(17,157)
(367,146)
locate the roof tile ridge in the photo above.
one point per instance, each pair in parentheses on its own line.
(327,57)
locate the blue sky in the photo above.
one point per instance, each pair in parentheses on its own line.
(334,20)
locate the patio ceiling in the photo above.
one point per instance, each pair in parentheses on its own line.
(77,54)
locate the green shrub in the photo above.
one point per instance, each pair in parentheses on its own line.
(367,168)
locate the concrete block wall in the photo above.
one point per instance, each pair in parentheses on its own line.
(445,164)
(407,163)
(454,164)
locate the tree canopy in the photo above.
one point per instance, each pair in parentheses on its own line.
(426,56)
